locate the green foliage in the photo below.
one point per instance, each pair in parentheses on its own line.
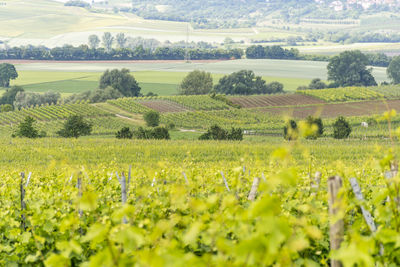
(75,126)
(108,40)
(393,71)
(28,99)
(290,131)
(124,133)
(317,84)
(152,118)
(27,129)
(95,96)
(9,96)
(350,69)
(120,80)
(245,82)
(78,3)
(196,83)
(224,99)
(341,128)
(215,132)
(6,108)
(315,126)
(7,73)
(152,133)
(93,41)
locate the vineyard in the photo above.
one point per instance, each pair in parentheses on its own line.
(343,94)
(178,205)
(274,100)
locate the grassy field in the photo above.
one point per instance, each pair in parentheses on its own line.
(163,78)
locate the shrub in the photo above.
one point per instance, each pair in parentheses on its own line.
(26,129)
(152,118)
(372,121)
(75,126)
(171,126)
(341,128)
(215,132)
(290,131)
(314,122)
(153,133)
(124,133)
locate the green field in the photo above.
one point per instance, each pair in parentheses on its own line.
(163,78)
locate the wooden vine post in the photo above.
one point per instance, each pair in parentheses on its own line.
(23,205)
(254,188)
(337,226)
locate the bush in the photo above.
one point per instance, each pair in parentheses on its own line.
(317,84)
(290,131)
(153,133)
(75,126)
(215,132)
(341,128)
(152,118)
(314,122)
(171,126)
(26,129)
(124,133)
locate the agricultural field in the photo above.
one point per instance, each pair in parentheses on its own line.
(197,194)
(274,100)
(343,94)
(164,77)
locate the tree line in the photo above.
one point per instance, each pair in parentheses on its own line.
(278,52)
(84,52)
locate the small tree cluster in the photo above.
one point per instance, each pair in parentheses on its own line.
(124,133)
(152,118)
(215,132)
(26,129)
(196,83)
(341,128)
(142,133)
(28,99)
(152,133)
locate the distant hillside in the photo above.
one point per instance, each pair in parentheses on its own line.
(242,13)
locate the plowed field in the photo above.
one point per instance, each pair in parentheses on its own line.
(163,106)
(274,100)
(334,110)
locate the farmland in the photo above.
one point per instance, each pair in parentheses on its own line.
(163,77)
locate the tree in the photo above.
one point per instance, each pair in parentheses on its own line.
(153,133)
(120,80)
(245,82)
(393,70)
(317,84)
(26,129)
(152,118)
(350,69)
(124,133)
(196,83)
(75,126)
(290,131)
(215,132)
(7,73)
(108,40)
(94,41)
(9,96)
(121,40)
(341,128)
(315,127)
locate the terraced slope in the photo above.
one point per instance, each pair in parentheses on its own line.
(274,100)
